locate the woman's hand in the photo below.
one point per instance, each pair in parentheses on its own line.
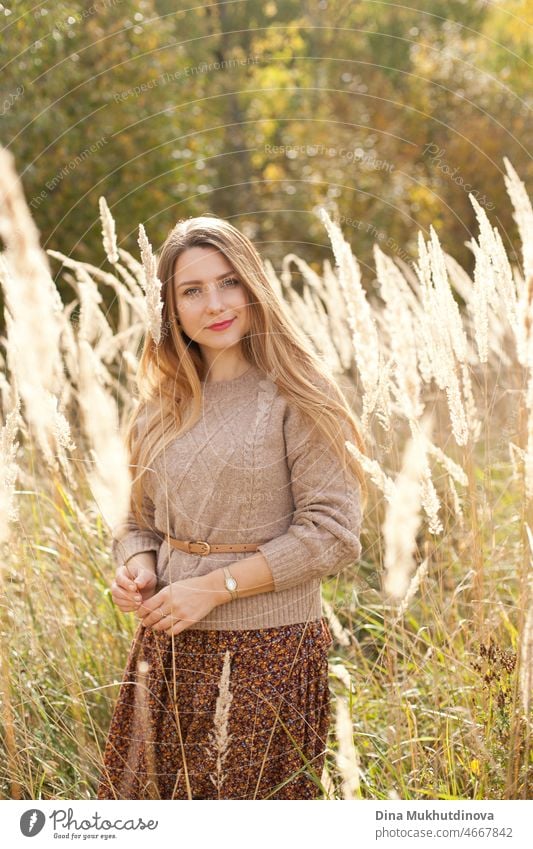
(182,603)
(133,584)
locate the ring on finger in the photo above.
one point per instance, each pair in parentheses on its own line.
(162,615)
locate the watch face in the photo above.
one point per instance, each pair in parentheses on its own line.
(231,583)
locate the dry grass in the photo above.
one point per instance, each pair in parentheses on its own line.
(431,669)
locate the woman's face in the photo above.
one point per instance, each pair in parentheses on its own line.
(208,291)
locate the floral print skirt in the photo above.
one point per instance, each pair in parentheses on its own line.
(229,714)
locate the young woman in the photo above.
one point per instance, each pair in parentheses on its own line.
(246,497)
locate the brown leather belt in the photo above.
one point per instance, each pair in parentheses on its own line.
(197,546)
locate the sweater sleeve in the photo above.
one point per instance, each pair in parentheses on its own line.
(323,536)
(130,539)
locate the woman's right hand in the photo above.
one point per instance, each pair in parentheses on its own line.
(134,583)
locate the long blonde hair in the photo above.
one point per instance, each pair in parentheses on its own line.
(170,373)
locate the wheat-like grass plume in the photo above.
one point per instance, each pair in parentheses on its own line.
(523,214)
(107,470)
(152,286)
(526,655)
(412,590)
(9,472)
(400,320)
(9,514)
(340,672)
(347,757)
(441,330)
(141,744)
(34,312)
(109,234)
(342,635)
(526,641)
(362,325)
(219,738)
(402,521)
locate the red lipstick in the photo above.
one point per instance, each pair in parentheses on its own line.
(221,325)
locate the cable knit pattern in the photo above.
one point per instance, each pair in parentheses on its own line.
(252,469)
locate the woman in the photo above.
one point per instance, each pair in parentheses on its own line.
(246,498)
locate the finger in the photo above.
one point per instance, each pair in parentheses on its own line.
(151,604)
(143,580)
(165,624)
(125,606)
(154,617)
(122,595)
(129,570)
(124,580)
(181,625)
(144,611)
(115,588)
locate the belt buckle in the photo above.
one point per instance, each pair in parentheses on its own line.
(206,548)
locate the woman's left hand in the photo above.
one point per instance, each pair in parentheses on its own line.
(183,603)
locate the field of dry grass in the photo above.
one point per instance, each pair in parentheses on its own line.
(432,662)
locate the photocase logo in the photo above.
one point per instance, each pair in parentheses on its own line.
(64,824)
(32,822)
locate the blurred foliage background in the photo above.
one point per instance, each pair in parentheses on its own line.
(260,111)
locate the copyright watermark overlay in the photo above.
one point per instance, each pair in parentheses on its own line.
(367,160)
(77,17)
(182,74)
(67,169)
(10,99)
(437,158)
(379,235)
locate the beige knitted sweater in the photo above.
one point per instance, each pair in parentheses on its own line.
(251,470)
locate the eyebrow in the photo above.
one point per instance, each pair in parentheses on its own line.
(190,282)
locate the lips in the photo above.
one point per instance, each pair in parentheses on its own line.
(221,325)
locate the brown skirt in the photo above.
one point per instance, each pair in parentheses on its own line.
(180,732)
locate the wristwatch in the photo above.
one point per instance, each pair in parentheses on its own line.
(230,583)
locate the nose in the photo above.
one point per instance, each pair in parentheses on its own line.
(215,299)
